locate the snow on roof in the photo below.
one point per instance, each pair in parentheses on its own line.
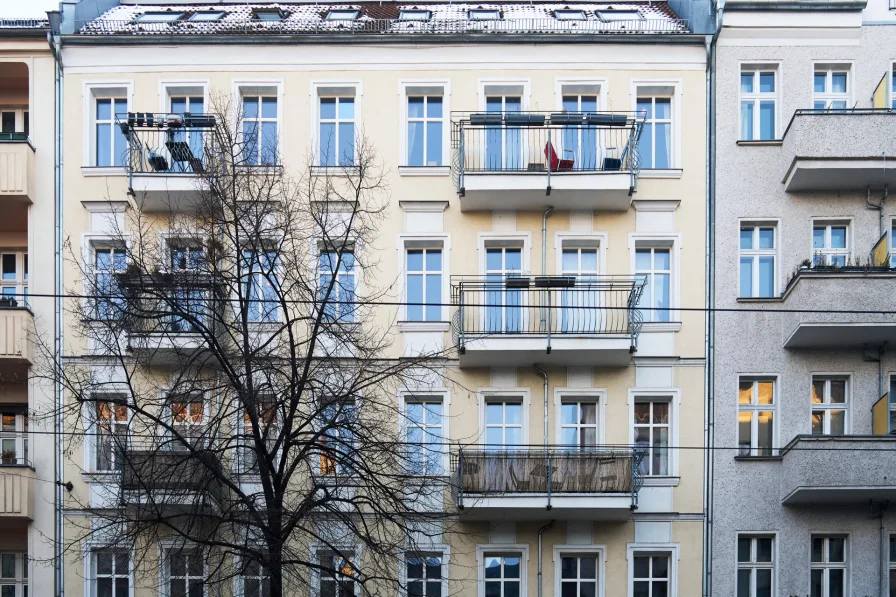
(384,18)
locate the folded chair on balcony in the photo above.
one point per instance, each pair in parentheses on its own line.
(554,162)
(157,160)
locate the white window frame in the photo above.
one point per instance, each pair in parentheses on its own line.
(828,96)
(352,248)
(19,285)
(658,240)
(827,251)
(19,580)
(316,550)
(755,253)
(827,407)
(577,240)
(19,434)
(165,551)
(433,240)
(441,396)
(91,422)
(239,579)
(184,428)
(502,549)
(595,395)
(650,426)
(753,565)
(258,88)
(424,87)
(254,276)
(598,86)
(597,551)
(756,97)
(243,427)
(169,88)
(493,240)
(440,549)
(673,396)
(487,395)
(424,273)
(22,114)
(671,550)
(663,88)
(827,566)
(334,88)
(755,408)
(90,550)
(91,91)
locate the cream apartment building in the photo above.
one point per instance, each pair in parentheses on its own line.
(546,170)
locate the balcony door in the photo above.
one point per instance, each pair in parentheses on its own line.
(504,306)
(507,467)
(194,139)
(579,142)
(580,313)
(503,145)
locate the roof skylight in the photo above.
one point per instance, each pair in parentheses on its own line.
(484,14)
(159,17)
(206,16)
(342,15)
(569,15)
(414,14)
(619,15)
(269,15)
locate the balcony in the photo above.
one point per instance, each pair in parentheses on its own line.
(166,156)
(17,480)
(835,308)
(527,160)
(161,476)
(515,321)
(848,469)
(16,167)
(16,333)
(536,483)
(840,150)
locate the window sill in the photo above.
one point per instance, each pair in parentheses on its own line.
(758,458)
(257,169)
(767,299)
(660,173)
(424,170)
(666,326)
(762,143)
(334,170)
(103,171)
(661,481)
(102,478)
(424,326)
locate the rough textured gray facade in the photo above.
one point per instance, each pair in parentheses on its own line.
(749,494)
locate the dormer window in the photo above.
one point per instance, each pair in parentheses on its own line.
(342,15)
(569,15)
(415,15)
(159,17)
(484,14)
(206,16)
(269,15)
(619,15)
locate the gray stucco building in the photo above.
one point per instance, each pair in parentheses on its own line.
(804,457)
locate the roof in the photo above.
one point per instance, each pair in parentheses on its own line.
(24,24)
(653,17)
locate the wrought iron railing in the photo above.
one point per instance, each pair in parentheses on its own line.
(236,25)
(508,305)
(546,143)
(556,470)
(164,470)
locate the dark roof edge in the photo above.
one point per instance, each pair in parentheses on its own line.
(403,39)
(795,5)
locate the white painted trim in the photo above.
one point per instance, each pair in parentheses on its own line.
(653,205)
(849,67)
(316,546)
(165,95)
(775,549)
(424,170)
(314,90)
(603,90)
(603,242)
(849,221)
(775,378)
(524,82)
(677,98)
(237,84)
(524,237)
(502,548)
(779,251)
(848,553)
(676,239)
(848,406)
(672,549)
(484,395)
(88,99)
(755,65)
(437,238)
(445,168)
(423,206)
(674,396)
(88,548)
(445,394)
(442,548)
(600,397)
(599,550)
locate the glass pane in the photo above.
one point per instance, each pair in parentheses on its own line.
(9,266)
(764,549)
(766,433)
(433,143)
(764,583)
(415,143)
(346,107)
(746,276)
(818,391)
(269,107)
(434,260)
(645,146)
(250,107)
(766,120)
(766,238)
(269,143)
(817,549)
(766,276)
(642,259)
(433,297)
(568,568)
(836,549)
(746,238)
(817,422)
(328,107)
(746,82)
(327,144)
(820,82)
(660,458)
(818,237)
(766,82)
(104,562)
(434,107)
(494,414)
(744,427)
(103,145)
(838,391)
(816,583)
(569,414)
(743,549)
(766,392)
(661,259)
(641,589)
(511,567)
(415,260)
(642,567)
(838,237)
(587,567)
(660,567)
(513,260)
(838,422)
(746,120)
(663,154)
(415,107)
(838,82)
(346,143)
(8,565)
(743,583)
(513,413)
(836,583)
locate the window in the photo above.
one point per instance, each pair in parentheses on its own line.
(425,126)
(108,263)
(569,15)
(484,14)
(160,17)
(755,566)
(650,575)
(268,15)
(337,131)
(830,245)
(13,436)
(187,415)
(8,121)
(255,580)
(655,145)
(579,575)
(580,143)
(268,428)
(262,292)
(337,268)
(503,145)
(336,575)
(342,15)
(502,575)
(111,432)
(654,265)
(578,422)
(652,436)
(828,566)
(110,570)
(414,15)
(110,145)
(424,575)
(190,307)
(580,313)
(193,138)
(185,572)
(503,311)
(337,423)
(425,435)
(758,101)
(14,278)
(259,127)
(424,284)
(830,90)
(503,424)
(620,15)
(755,417)
(758,253)
(207,16)
(13,574)
(829,405)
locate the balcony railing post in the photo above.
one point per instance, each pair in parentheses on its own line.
(549,319)
(462,323)
(463,160)
(548,160)
(550,475)
(460,479)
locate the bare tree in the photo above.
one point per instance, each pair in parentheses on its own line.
(238,386)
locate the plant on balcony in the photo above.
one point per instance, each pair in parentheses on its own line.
(272,429)
(8,456)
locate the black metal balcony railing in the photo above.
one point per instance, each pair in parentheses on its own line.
(548,305)
(546,143)
(13,137)
(175,143)
(546,471)
(170,470)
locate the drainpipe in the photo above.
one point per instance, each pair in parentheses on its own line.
(879,206)
(540,531)
(884,555)
(547,459)
(544,270)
